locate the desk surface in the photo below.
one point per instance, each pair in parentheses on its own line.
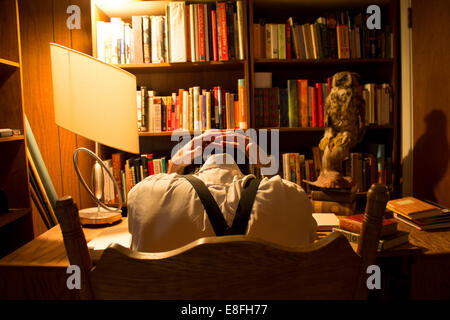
(48,250)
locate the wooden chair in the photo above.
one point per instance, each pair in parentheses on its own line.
(229,267)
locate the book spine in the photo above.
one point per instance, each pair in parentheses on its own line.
(117,163)
(242,105)
(146,38)
(197,111)
(207,19)
(177,32)
(230,30)
(240,28)
(214,35)
(266,107)
(144,109)
(304,97)
(201,32)
(314,108)
(295,39)
(293,103)
(288,41)
(192,32)
(222,27)
(281,33)
(209,117)
(320,101)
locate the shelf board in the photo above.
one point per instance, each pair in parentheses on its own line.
(281,129)
(12,215)
(5,62)
(323,61)
(182,66)
(12,138)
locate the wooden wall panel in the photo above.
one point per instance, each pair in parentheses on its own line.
(43,22)
(67,139)
(81,41)
(431,100)
(36,24)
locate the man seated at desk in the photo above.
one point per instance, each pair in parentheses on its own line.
(165,211)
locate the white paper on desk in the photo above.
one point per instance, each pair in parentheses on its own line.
(326,221)
(118,234)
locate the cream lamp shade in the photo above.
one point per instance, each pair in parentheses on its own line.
(94,99)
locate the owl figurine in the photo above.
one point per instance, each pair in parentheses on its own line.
(344,128)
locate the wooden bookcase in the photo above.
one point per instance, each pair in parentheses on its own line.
(167,77)
(16,226)
(371,70)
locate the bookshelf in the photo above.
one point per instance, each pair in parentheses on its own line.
(380,69)
(16,227)
(166,78)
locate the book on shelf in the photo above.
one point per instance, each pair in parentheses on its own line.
(130,171)
(385,243)
(185,32)
(195,109)
(334,35)
(354,223)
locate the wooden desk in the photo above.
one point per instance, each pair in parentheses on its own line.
(38,269)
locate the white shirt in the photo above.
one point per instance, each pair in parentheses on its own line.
(165,212)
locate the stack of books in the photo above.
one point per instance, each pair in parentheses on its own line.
(390,236)
(340,202)
(419,214)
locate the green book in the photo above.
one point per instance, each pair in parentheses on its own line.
(293,103)
(281,41)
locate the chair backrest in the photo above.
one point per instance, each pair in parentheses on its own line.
(232,267)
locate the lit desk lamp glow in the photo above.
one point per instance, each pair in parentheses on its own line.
(95,100)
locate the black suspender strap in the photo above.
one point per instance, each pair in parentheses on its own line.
(245,205)
(212,209)
(215,216)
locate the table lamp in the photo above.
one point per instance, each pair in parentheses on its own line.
(95,100)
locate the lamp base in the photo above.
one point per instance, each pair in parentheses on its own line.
(96,216)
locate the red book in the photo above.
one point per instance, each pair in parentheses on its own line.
(314,111)
(221,8)
(274,114)
(353,223)
(118,161)
(319,93)
(201,32)
(180,108)
(329,81)
(288,41)
(214,35)
(151,170)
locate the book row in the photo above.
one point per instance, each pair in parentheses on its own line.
(302,104)
(333,36)
(364,168)
(296,168)
(192,109)
(187,32)
(129,172)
